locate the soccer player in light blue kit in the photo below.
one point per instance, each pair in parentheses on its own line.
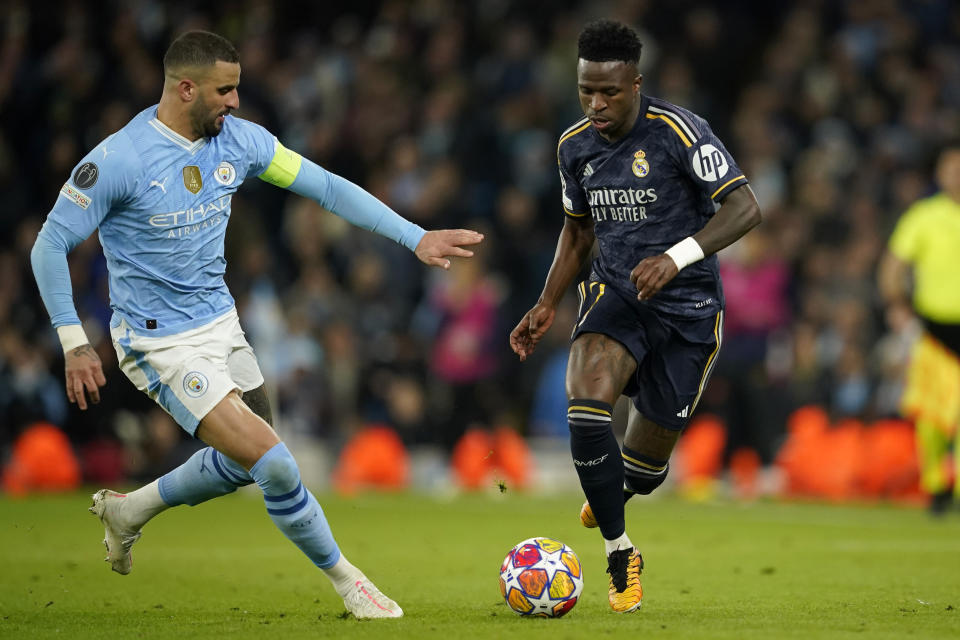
(159,193)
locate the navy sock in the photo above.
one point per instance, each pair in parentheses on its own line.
(596,457)
(642,474)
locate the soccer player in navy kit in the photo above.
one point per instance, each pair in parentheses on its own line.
(159,191)
(640,176)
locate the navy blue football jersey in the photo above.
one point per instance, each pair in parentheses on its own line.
(646,192)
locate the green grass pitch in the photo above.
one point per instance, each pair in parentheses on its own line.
(714,570)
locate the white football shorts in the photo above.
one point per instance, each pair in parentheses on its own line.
(188,373)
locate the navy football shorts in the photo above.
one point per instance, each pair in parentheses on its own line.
(675,356)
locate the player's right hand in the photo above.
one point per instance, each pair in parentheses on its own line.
(84,374)
(436,247)
(532,327)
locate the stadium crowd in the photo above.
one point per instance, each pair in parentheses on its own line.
(450,113)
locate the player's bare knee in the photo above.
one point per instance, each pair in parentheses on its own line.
(277,469)
(599,368)
(585,379)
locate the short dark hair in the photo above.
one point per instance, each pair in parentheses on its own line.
(605,40)
(198,49)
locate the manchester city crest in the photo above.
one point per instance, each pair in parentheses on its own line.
(641,168)
(195,384)
(225,174)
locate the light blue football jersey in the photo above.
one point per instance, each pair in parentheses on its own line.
(161,204)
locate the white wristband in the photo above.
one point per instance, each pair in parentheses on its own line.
(72,336)
(685,252)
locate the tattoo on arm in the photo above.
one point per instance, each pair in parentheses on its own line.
(257,400)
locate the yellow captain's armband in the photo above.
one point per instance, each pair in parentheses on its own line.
(283,168)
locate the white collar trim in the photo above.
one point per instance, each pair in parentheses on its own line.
(178,139)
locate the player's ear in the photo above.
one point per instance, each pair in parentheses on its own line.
(187,89)
(637,82)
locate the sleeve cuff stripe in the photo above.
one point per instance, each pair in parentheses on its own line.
(725,185)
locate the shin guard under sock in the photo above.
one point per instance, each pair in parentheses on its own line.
(596,457)
(294,509)
(206,474)
(642,474)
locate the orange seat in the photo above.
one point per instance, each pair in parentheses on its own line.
(373,458)
(889,466)
(806,429)
(699,453)
(471,460)
(744,471)
(512,456)
(42,460)
(482,459)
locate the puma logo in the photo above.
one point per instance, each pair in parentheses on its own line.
(162,185)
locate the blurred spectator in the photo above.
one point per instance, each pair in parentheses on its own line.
(461,316)
(755,283)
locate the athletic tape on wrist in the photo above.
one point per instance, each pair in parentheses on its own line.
(72,336)
(685,252)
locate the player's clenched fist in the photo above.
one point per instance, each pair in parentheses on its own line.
(652,274)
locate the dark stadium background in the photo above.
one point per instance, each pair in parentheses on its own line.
(450,112)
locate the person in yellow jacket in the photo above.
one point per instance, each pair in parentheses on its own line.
(924,256)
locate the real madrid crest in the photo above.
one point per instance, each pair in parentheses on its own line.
(641,168)
(192,179)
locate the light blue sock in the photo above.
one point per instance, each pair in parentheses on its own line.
(294,509)
(207,474)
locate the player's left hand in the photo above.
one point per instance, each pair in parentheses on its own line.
(84,375)
(437,246)
(652,274)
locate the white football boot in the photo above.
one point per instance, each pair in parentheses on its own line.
(366,601)
(117,538)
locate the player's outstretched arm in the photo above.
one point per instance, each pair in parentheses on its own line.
(436,247)
(739,213)
(573,247)
(290,170)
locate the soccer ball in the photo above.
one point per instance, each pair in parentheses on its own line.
(541,577)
